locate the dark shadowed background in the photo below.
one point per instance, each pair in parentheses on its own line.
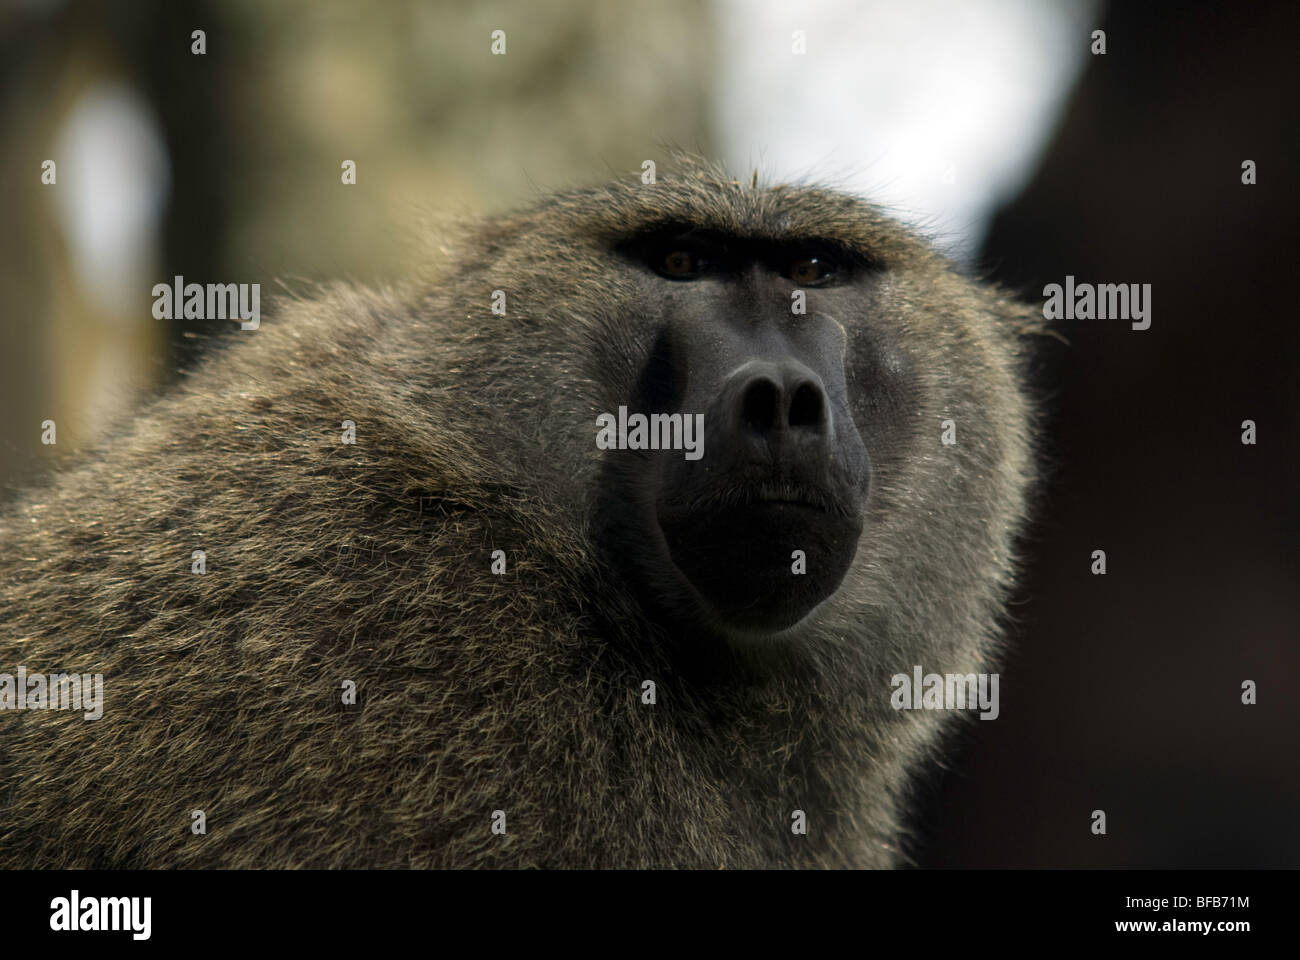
(1124,691)
(989,124)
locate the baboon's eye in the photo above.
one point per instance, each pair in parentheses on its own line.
(810,271)
(681,264)
(678,251)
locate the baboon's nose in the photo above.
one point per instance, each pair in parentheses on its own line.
(779,404)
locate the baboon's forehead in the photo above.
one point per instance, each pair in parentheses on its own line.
(781,213)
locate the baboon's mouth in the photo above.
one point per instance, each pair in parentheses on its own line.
(794,497)
(753,495)
(762,558)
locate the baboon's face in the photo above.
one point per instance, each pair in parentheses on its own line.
(824,347)
(784,471)
(762,527)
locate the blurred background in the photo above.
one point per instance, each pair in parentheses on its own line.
(133,150)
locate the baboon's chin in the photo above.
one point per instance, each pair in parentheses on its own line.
(761,569)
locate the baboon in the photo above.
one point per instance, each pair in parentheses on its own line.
(564,652)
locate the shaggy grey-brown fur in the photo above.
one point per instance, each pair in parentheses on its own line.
(479,692)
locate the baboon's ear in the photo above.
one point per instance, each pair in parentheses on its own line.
(1021,319)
